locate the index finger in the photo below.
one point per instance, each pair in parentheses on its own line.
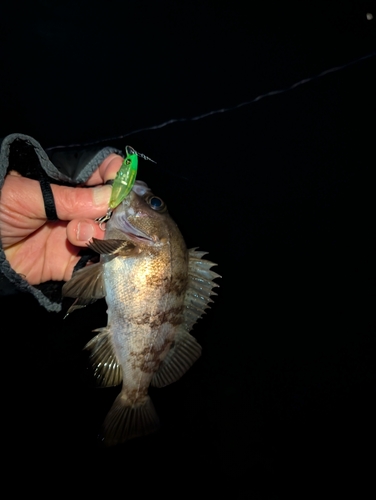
(107,170)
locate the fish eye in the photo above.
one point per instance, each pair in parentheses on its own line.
(156,203)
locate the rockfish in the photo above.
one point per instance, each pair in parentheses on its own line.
(155,291)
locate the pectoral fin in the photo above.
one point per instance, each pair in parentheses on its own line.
(111,247)
(179,359)
(86,286)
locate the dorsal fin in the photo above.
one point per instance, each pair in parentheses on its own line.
(200,287)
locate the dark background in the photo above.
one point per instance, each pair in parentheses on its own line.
(279,192)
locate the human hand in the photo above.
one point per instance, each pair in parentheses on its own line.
(42,250)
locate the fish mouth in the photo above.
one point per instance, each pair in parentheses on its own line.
(135,234)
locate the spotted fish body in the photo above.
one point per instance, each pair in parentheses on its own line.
(155,290)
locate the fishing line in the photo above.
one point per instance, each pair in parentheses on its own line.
(222,110)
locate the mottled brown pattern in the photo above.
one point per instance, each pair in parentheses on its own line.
(156,281)
(172,316)
(135,395)
(179,284)
(148,359)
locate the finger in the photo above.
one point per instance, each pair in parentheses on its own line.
(76,203)
(45,255)
(88,203)
(106,171)
(22,201)
(81,231)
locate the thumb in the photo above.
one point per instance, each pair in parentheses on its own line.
(80,202)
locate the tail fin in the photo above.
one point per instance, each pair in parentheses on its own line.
(125,421)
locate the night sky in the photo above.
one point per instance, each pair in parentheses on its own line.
(279,192)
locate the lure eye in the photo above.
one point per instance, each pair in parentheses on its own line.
(156,203)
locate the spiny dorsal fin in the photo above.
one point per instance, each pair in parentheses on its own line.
(200,287)
(185,351)
(107,370)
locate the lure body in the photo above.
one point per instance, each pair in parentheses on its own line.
(125,178)
(123,182)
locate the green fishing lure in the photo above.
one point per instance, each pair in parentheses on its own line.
(124,180)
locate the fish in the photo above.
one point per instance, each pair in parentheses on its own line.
(156,289)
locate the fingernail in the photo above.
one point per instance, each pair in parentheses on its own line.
(101,195)
(84,231)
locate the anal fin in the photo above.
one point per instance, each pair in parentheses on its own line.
(179,359)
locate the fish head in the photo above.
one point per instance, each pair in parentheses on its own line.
(143,219)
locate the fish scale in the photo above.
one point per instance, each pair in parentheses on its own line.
(132,321)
